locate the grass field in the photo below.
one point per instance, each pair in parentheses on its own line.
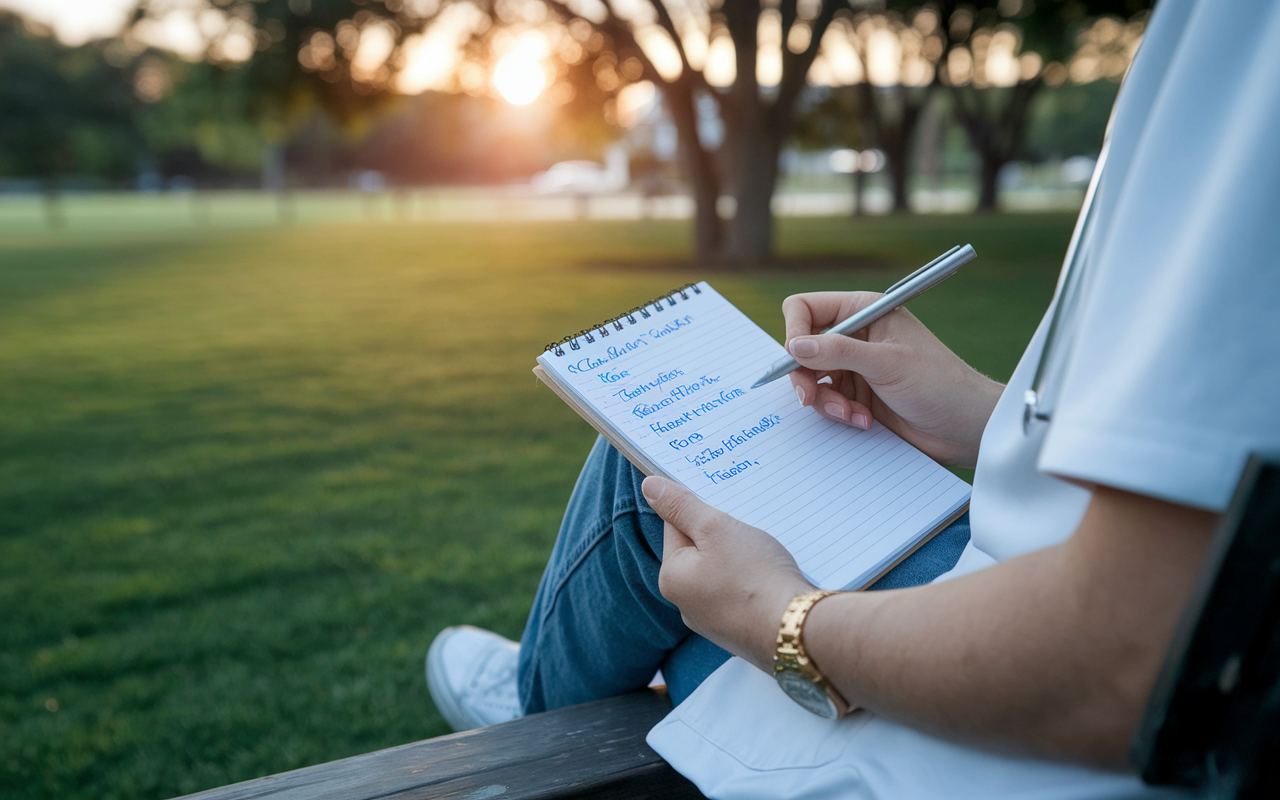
(246,474)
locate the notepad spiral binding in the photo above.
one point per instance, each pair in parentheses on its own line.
(588,334)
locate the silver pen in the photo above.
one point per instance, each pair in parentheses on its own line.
(910,287)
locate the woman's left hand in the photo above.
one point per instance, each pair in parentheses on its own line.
(731,582)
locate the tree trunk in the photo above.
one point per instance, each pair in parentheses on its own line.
(859,185)
(899,172)
(895,130)
(708,232)
(754,128)
(997,136)
(698,169)
(750,234)
(989,181)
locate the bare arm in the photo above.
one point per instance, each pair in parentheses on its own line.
(1052,653)
(1055,651)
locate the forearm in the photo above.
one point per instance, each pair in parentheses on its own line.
(1053,653)
(961,661)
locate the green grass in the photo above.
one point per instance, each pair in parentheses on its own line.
(246,474)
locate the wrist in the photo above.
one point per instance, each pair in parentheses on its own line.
(796,670)
(773,605)
(833,632)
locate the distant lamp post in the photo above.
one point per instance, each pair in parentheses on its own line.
(851,162)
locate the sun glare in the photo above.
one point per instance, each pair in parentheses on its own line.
(519,78)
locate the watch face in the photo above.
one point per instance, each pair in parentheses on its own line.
(809,695)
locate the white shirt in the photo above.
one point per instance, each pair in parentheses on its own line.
(1170,378)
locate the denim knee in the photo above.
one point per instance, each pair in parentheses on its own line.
(599,625)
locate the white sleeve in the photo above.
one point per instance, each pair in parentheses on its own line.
(1174,377)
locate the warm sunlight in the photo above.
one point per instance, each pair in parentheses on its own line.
(519,78)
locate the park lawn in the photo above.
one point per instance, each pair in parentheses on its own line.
(247,474)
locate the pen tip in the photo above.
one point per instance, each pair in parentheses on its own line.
(759,383)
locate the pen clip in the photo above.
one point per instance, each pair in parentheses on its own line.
(923,269)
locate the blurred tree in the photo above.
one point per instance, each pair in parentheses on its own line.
(268,67)
(773,47)
(193,118)
(730,124)
(62,111)
(993,59)
(1069,120)
(274,63)
(893,71)
(999,55)
(299,54)
(834,118)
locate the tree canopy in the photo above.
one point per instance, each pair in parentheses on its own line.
(62,109)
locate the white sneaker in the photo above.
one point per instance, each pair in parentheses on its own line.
(471,674)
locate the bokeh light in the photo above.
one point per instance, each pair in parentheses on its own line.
(518,75)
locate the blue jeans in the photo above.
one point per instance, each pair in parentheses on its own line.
(599,627)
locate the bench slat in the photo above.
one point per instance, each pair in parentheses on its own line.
(593,750)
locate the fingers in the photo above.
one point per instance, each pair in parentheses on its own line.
(691,517)
(835,405)
(815,311)
(832,351)
(799,316)
(673,539)
(677,549)
(805,383)
(822,354)
(847,399)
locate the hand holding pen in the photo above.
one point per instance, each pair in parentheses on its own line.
(912,286)
(898,373)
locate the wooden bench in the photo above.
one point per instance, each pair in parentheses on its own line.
(594,750)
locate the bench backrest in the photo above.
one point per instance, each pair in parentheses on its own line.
(1213,721)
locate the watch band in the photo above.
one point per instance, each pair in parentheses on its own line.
(790,654)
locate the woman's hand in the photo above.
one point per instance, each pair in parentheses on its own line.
(895,371)
(731,582)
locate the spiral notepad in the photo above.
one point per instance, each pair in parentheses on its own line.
(668,383)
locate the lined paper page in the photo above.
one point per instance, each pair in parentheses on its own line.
(846,503)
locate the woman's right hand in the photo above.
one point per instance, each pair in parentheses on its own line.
(894,371)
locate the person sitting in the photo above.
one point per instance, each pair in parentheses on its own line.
(1101,469)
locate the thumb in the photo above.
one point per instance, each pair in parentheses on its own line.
(834,351)
(679,507)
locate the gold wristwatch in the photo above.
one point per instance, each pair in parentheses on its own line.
(795,672)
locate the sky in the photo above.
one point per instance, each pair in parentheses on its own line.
(75,21)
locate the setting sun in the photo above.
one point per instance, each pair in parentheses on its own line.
(519,78)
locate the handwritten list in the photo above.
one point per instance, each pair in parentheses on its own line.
(676,384)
